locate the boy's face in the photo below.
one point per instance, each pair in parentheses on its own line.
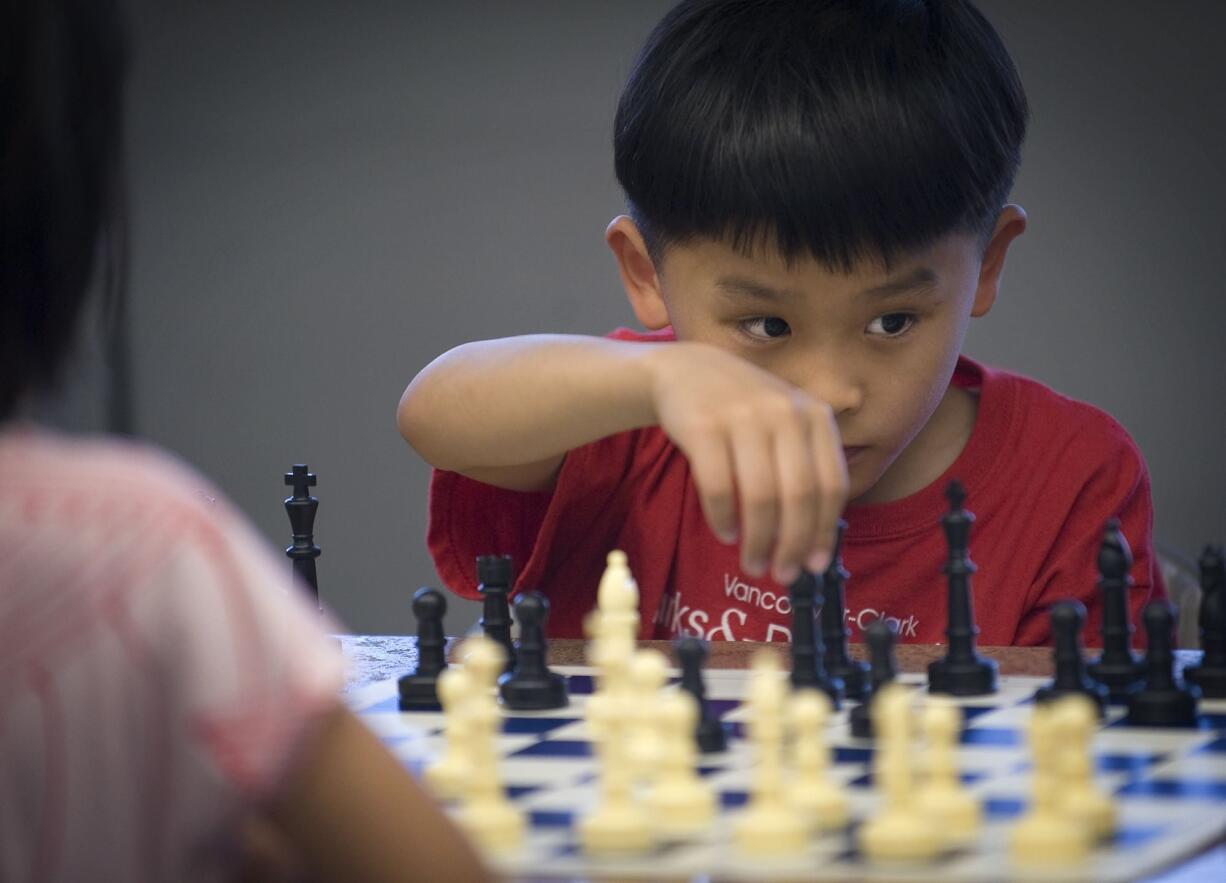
(879,348)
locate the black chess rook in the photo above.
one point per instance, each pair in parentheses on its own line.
(301,508)
(962,671)
(1067,620)
(1116,668)
(419,689)
(839,664)
(494,579)
(1210,673)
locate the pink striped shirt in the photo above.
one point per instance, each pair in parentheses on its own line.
(158,667)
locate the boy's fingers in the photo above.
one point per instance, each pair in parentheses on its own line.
(757,487)
(712,470)
(798,502)
(832,487)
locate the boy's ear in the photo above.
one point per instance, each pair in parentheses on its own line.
(639,276)
(1010,224)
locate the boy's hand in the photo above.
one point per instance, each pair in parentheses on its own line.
(756,441)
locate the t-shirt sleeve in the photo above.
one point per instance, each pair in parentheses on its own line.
(1112,482)
(470,518)
(251,665)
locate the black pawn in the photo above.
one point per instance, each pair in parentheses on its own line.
(1116,668)
(494,584)
(301,507)
(418,689)
(709,732)
(1210,674)
(532,686)
(808,669)
(1161,702)
(1067,619)
(852,672)
(880,636)
(962,671)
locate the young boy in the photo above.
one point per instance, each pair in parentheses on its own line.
(167,701)
(817,208)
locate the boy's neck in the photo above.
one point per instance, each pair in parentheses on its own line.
(933,450)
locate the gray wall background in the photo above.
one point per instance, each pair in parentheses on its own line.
(327,195)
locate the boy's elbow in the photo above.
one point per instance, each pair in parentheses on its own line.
(410,419)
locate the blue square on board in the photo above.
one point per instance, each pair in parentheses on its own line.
(1000,737)
(580,685)
(733,799)
(556,748)
(550,818)
(1003,807)
(1183,789)
(520,726)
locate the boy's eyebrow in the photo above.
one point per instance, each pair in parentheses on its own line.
(739,286)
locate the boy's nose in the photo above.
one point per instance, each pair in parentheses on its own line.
(843,395)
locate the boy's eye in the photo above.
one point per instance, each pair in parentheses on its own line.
(766,327)
(891,324)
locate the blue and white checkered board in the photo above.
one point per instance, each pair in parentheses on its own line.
(1169,785)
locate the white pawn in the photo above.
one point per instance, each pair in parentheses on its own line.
(486,813)
(451,772)
(1080,797)
(768,827)
(681,802)
(485,660)
(647,676)
(942,796)
(1045,837)
(818,799)
(900,832)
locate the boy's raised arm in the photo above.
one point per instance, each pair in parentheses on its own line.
(766,457)
(506,411)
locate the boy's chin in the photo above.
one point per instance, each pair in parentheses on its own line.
(864,482)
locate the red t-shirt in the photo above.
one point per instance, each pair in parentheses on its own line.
(1043,474)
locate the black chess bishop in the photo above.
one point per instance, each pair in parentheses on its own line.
(1117,668)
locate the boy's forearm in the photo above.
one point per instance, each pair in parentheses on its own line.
(523,400)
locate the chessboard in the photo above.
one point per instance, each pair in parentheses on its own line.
(1169,787)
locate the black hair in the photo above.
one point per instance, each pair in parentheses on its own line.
(62,67)
(845,130)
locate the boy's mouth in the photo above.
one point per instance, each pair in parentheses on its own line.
(852,452)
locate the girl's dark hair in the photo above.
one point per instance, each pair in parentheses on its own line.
(61,72)
(844,130)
